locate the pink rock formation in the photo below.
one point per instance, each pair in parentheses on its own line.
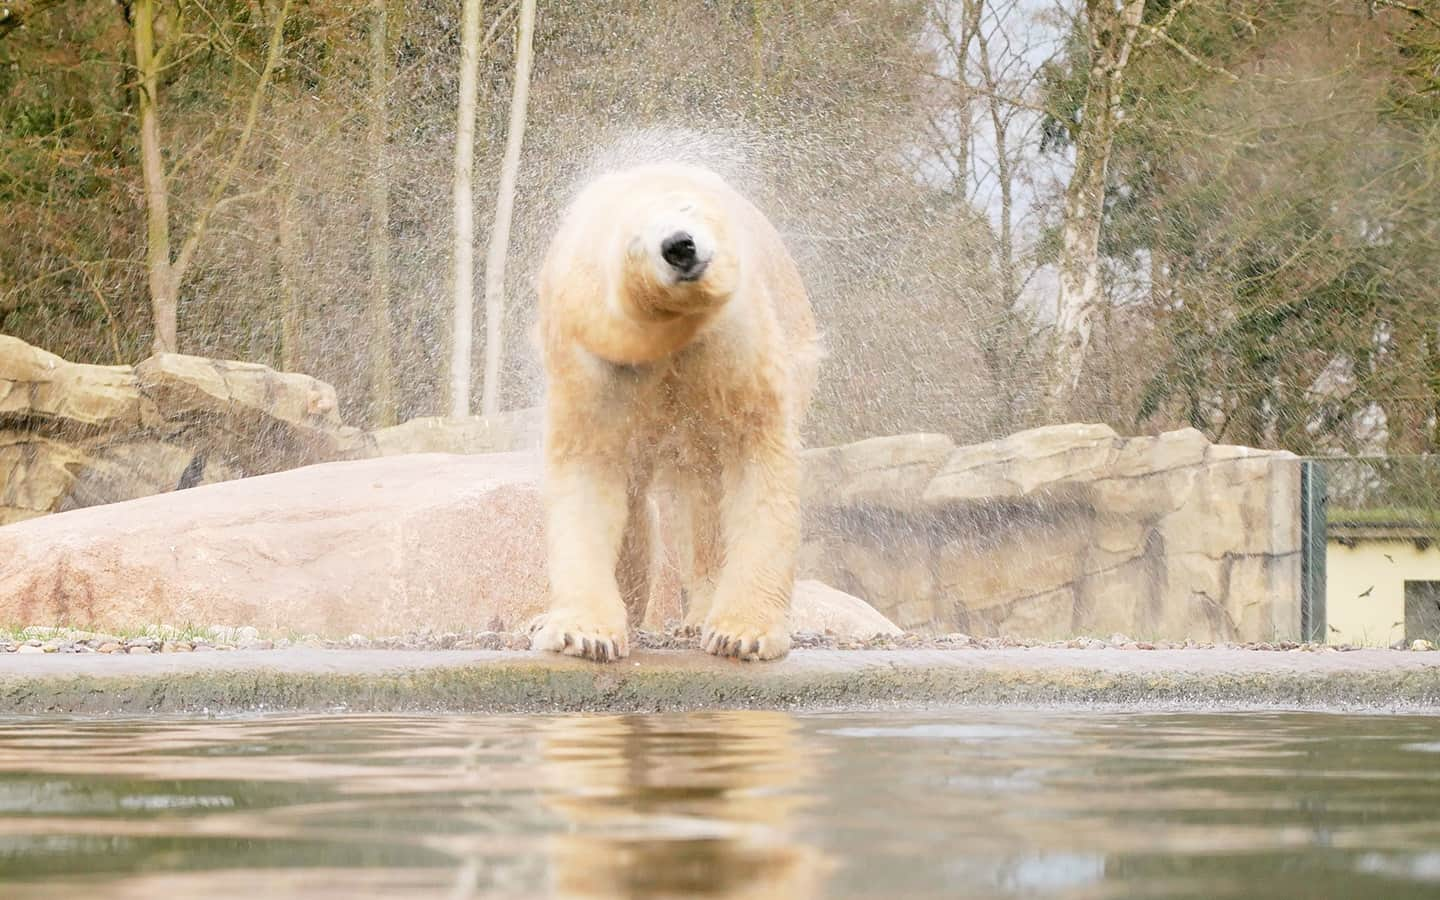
(376,546)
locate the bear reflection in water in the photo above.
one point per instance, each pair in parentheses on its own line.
(656,811)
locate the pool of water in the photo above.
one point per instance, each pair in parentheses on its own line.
(724,804)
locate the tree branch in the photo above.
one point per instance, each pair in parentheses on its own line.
(1163,29)
(1187,52)
(1410,8)
(272,55)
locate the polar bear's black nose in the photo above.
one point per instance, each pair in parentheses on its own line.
(679,251)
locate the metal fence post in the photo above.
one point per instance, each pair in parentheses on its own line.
(1312,551)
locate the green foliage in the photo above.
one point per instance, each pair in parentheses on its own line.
(1274,189)
(1271,232)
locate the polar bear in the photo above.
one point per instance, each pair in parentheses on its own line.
(608,780)
(680,352)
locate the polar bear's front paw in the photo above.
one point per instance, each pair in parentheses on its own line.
(745,638)
(579,634)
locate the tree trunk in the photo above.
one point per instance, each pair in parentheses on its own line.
(462,322)
(1004,174)
(757,45)
(1112,35)
(959,46)
(382,374)
(504,209)
(157,213)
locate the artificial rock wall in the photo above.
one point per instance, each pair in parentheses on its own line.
(1061,531)
(1055,532)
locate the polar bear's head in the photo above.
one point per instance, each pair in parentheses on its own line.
(678,251)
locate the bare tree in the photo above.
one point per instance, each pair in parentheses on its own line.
(463,320)
(166,275)
(157,205)
(1001,115)
(504,209)
(1111,26)
(958,25)
(382,373)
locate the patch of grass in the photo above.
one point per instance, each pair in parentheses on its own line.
(1409,516)
(183,632)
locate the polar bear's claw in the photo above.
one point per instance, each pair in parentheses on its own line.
(575,636)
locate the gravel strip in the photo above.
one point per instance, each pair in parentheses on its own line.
(164,639)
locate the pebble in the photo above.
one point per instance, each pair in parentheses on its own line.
(807,639)
(1422,645)
(141,649)
(357,640)
(204,648)
(110,647)
(176,647)
(30,648)
(489,640)
(247,633)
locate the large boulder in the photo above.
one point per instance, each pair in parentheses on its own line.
(35,474)
(372,546)
(513,430)
(1020,465)
(820,608)
(48,392)
(375,546)
(251,416)
(75,435)
(888,472)
(1061,531)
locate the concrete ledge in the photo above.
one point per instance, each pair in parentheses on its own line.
(498,681)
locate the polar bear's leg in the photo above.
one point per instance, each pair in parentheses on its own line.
(700,549)
(586,508)
(633,571)
(760,524)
